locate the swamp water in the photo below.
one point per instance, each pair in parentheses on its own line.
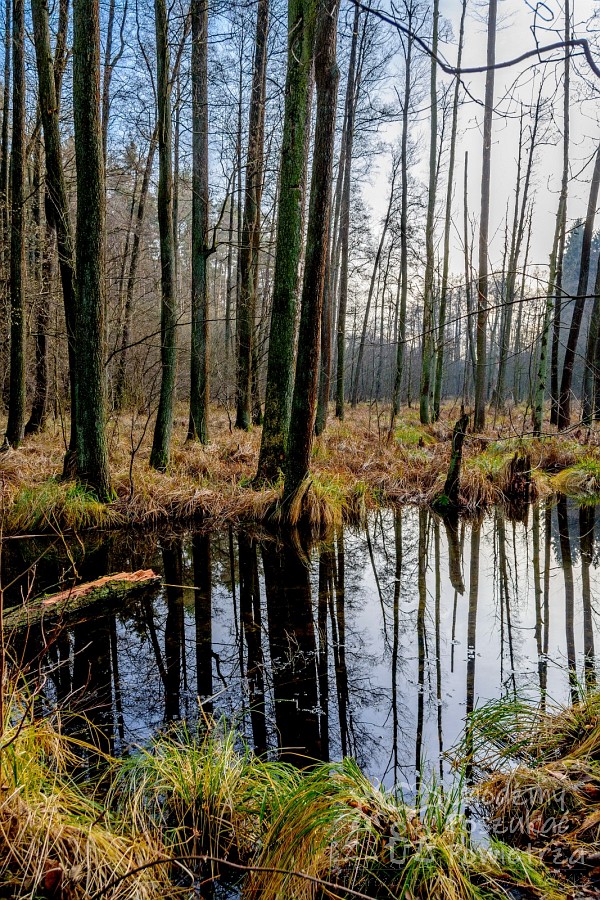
(375,644)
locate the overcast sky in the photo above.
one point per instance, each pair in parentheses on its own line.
(517,18)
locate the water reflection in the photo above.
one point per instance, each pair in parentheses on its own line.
(376,644)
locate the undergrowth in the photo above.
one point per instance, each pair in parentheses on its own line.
(195,806)
(356,465)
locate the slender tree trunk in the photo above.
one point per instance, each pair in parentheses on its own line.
(428,313)
(199,385)
(4,144)
(307,370)
(57,203)
(92,452)
(131,278)
(329,297)
(511,276)
(439,371)
(561,221)
(289,240)
(251,228)
(119,380)
(553,301)
(345,221)
(107,77)
(176,177)
(18,325)
(403,282)
(484,223)
(564,403)
(376,263)
(163,429)
(43,276)
(229,291)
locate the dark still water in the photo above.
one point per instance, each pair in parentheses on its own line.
(375,644)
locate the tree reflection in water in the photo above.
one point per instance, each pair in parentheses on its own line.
(375,644)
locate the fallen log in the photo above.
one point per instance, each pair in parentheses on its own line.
(108,589)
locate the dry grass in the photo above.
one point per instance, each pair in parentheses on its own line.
(310,834)
(540,779)
(194,802)
(56,840)
(355,466)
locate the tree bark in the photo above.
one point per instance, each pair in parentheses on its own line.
(484,223)
(44,239)
(403,283)
(345,222)
(199,386)
(57,204)
(16,401)
(307,370)
(280,369)
(439,370)
(428,318)
(92,451)
(251,227)
(163,429)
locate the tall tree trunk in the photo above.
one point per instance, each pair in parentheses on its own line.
(307,369)
(251,227)
(515,252)
(18,325)
(554,299)
(345,221)
(289,240)
(229,291)
(564,401)
(92,452)
(484,223)
(428,313)
(107,77)
(43,238)
(176,178)
(131,278)
(403,283)
(199,387)
(561,222)
(376,263)
(439,371)
(57,203)
(4,142)
(163,429)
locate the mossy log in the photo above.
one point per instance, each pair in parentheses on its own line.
(113,589)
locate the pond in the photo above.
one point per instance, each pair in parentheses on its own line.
(375,643)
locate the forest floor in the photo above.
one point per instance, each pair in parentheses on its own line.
(355,466)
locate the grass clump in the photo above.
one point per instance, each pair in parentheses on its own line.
(56,839)
(55,504)
(539,782)
(412,435)
(580,480)
(200,805)
(324,831)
